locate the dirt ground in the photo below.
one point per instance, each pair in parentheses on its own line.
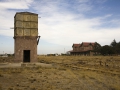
(63,73)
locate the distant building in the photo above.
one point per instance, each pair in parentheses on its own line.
(3,55)
(85,48)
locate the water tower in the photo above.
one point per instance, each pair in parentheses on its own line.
(25,36)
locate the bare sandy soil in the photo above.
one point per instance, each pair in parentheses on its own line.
(63,73)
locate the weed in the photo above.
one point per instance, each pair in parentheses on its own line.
(91,77)
(10,88)
(17,84)
(1,87)
(83,76)
(33,88)
(1,75)
(32,80)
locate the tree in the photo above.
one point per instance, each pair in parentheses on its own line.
(106,50)
(113,43)
(118,48)
(115,46)
(96,48)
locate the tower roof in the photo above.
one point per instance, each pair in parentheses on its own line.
(26,13)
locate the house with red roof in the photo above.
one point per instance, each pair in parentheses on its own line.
(85,48)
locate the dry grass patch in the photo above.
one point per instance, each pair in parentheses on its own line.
(67,73)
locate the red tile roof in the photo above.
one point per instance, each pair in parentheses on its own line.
(87,43)
(76,45)
(80,51)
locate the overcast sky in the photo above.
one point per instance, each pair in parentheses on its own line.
(63,22)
